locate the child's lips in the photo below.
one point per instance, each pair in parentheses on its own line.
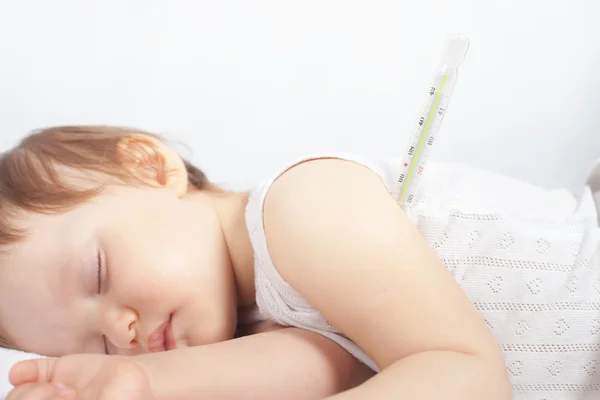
(162,338)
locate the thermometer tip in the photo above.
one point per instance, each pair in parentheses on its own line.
(456,50)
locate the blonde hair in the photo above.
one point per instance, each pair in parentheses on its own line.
(31,178)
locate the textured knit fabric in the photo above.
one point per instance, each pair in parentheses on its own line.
(527,257)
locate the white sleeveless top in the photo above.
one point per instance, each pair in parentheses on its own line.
(527,257)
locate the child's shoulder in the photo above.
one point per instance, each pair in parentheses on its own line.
(385,168)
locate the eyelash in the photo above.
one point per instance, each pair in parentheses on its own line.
(99,258)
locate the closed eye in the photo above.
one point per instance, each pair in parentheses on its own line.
(100,272)
(99,261)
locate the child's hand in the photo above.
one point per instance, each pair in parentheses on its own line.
(81,377)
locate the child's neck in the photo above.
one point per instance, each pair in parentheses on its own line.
(231,209)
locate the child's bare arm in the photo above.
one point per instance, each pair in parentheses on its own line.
(357,258)
(282,364)
(285,363)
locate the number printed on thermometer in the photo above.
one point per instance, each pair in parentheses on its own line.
(430,120)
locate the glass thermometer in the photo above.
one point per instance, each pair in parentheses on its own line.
(430,119)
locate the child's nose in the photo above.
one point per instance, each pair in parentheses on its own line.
(121,330)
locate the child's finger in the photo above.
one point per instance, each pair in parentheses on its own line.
(37,391)
(37,370)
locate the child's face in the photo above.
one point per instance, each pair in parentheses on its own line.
(162,258)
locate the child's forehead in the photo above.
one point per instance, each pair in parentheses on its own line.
(44,233)
(31,281)
(48,252)
(33,228)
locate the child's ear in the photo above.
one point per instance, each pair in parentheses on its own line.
(154,162)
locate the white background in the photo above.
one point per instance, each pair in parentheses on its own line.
(250,84)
